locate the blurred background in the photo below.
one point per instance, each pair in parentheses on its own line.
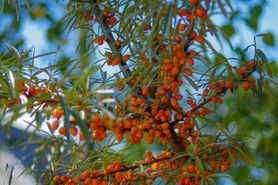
(40,28)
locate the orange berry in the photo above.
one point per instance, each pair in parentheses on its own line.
(250,64)
(125,58)
(148,153)
(187,72)
(120,87)
(58,113)
(190,102)
(87,181)
(155,166)
(182,12)
(81,136)
(73,131)
(205,92)
(54,125)
(202,13)
(199,39)
(212,86)
(190,61)
(246,85)
(120,137)
(182,27)
(56,179)
(178,96)
(85,174)
(177,38)
(118,43)
(105,13)
(175,71)
(63,130)
(194,2)
(112,21)
(214,99)
(191,168)
(130,175)
(147,27)
(145,91)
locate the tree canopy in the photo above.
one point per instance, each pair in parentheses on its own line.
(142,92)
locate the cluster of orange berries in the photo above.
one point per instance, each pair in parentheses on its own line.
(163,116)
(107,15)
(116,61)
(154,166)
(118,173)
(30,91)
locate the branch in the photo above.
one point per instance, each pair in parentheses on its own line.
(115,49)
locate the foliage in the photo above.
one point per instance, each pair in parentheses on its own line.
(176,109)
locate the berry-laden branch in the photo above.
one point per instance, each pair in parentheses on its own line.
(151,114)
(115,48)
(152,167)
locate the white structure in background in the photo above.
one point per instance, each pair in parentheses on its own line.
(9,163)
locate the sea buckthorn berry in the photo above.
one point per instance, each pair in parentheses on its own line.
(182,27)
(130,175)
(56,179)
(194,2)
(212,86)
(246,85)
(58,113)
(118,43)
(199,39)
(105,13)
(213,99)
(88,16)
(190,61)
(87,181)
(63,130)
(205,92)
(145,91)
(147,27)
(177,38)
(202,13)
(250,64)
(190,102)
(73,131)
(155,166)
(229,85)
(187,71)
(125,58)
(81,136)
(85,174)
(182,12)
(54,125)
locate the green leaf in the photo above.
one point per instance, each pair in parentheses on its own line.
(12,83)
(192,83)
(261,54)
(11,176)
(17,9)
(268,69)
(66,117)
(83,78)
(199,164)
(228,30)
(83,127)
(211,181)
(269,39)
(249,159)
(222,8)
(179,155)
(5,85)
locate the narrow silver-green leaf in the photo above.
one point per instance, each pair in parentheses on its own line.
(66,117)
(192,83)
